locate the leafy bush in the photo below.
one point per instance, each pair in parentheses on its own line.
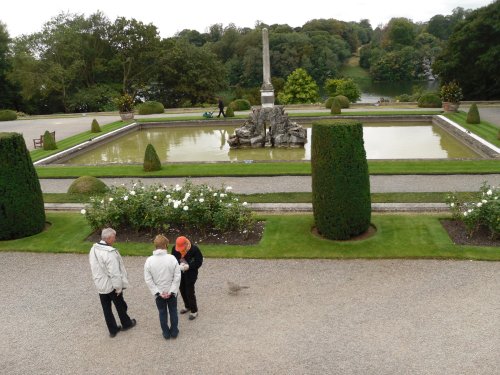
(343,101)
(336,109)
(329,102)
(451,92)
(87,185)
(21,202)
(240,105)
(299,88)
(96,98)
(151,159)
(429,100)
(151,107)
(95,128)
(484,213)
(49,143)
(344,86)
(229,112)
(473,115)
(404,98)
(125,103)
(8,115)
(340,179)
(157,207)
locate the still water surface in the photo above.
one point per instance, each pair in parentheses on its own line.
(188,144)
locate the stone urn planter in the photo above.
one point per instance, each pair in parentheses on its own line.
(450,107)
(125,116)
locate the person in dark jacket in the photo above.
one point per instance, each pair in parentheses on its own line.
(221,108)
(190,259)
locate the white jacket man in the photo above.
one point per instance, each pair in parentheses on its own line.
(110,278)
(162,274)
(108,270)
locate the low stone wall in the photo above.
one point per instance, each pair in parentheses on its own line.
(464,136)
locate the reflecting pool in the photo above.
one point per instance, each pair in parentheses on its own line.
(203,143)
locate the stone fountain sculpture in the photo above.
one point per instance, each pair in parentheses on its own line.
(281,131)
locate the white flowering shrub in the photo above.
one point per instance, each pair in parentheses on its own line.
(484,212)
(158,207)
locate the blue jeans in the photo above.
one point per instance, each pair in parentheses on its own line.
(166,306)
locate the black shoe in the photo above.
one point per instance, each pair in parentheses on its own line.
(133,322)
(119,328)
(166,337)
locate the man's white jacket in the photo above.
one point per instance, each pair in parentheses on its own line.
(162,273)
(108,270)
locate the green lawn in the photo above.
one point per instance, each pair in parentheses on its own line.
(285,236)
(432,197)
(479,166)
(485,130)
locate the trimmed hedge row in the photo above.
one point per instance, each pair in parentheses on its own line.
(22,212)
(149,108)
(430,100)
(7,115)
(340,179)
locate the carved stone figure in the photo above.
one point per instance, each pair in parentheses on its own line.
(281,132)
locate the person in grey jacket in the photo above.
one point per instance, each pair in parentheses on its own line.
(162,274)
(110,279)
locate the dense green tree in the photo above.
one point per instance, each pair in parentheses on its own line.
(400,32)
(187,74)
(300,87)
(345,87)
(136,47)
(472,54)
(9,92)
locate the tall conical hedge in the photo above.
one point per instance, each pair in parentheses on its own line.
(49,143)
(473,115)
(21,202)
(151,159)
(94,127)
(336,107)
(340,179)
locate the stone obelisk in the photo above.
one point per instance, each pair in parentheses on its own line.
(267,89)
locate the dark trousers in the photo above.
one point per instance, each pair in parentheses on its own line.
(188,294)
(121,309)
(166,306)
(221,110)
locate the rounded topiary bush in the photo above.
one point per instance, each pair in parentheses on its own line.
(95,128)
(49,143)
(87,185)
(329,102)
(7,115)
(430,100)
(22,212)
(340,179)
(240,105)
(336,107)
(151,159)
(473,115)
(229,112)
(343,100)
(149,108)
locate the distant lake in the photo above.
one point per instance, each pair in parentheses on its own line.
(371,92)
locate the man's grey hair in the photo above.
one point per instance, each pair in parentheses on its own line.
(107,233)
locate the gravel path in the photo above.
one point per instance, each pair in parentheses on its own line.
(249,185)
(297,317)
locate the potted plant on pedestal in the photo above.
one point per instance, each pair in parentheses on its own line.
(451,93)
(125,105)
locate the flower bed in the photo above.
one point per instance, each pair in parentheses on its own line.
(157,208)
(485,213)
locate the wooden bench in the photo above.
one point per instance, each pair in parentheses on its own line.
(38,142)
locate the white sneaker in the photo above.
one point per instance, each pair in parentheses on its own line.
(193,316)
(183,310)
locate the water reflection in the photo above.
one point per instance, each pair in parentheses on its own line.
(187,144)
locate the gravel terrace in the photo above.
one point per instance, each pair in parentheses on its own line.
(297,317)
